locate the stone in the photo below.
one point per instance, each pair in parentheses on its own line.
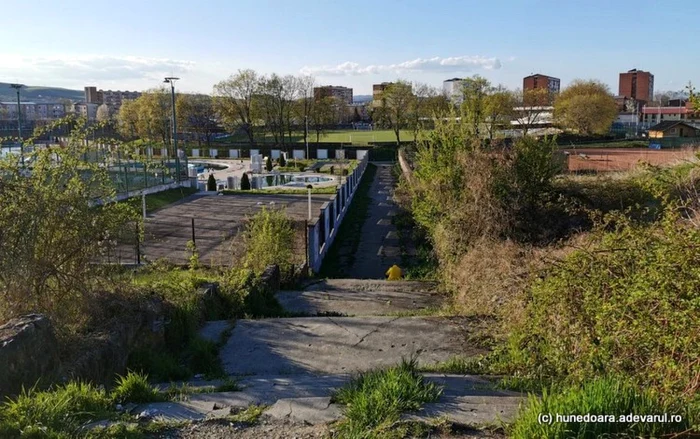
(28,353)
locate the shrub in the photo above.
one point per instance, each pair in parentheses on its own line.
(281,161)
(211,183)
(626,305)
(601,396)
(161,366)
(376,399)
(268,164)
(134,387)
(269,239)
(245,182)
(202,356)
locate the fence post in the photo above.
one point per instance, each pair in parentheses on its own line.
(193,240)
(138,246)
(306,240)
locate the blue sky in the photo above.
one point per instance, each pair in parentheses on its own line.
(132,44)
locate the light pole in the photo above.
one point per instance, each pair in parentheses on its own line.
(19,122)
(171,80)
(309,187)
(306,137)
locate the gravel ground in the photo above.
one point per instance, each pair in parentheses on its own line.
(266,429)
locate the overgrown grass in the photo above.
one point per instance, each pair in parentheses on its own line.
(161,199)
(348,238)
(424,264)
(134,387)
(375,400)
(601,396)
(250,415)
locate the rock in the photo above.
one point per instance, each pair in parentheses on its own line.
(28,353)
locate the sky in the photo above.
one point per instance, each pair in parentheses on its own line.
(133,44)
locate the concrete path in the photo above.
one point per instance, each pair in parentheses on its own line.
(466,400)
(379,245)
(361,298)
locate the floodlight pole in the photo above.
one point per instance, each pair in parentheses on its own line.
(19,122)
(171,80)
(306,137)
(309,187)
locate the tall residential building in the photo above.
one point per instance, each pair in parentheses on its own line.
(638,85)
(539,80)
(112,98)
(343,94)
(377,91)
(452,89)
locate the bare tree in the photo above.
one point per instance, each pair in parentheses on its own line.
(305,101)
(197,113)
(531,107)
(234,101)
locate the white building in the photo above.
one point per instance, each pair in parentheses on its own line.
(452,89)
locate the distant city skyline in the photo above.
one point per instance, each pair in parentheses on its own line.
(134,45)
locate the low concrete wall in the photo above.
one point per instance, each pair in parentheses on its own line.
(405,167)
(323,229)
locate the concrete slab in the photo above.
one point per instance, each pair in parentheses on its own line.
(384,222)
(393,235)
(385,298)
(389,251)
(337,345)
(308,410)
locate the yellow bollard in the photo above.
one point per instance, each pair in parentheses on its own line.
(394,273)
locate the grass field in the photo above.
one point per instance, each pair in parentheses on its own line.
(335,136)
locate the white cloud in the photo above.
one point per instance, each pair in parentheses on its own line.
(435,64)
(77,71)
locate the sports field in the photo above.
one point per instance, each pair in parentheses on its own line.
(356,137)
(623,159)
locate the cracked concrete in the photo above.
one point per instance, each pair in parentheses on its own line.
(338,345)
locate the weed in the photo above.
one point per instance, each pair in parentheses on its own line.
(461,365)
(161,366)
(250,415)
(228,385)
(602,396)
(376,399)
(134,387)
(202,356)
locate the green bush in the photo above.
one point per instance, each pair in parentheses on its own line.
(268,164)
(161,366)
(134,387)
(211,183)
(202,356)
(245,182)
(627,305)
(281,162)
(269,239)
(601,396)
(376,399)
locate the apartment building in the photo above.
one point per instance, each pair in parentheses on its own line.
(538,80)
(113,98)
(343,94)
(452,89)
(32,111)
(637,85)
(683,112)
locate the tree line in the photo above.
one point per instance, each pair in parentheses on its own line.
(278,107)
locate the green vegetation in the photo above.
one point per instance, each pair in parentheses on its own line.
(329,190)
(348,238)
(245,182)
(350,137)
(211,183)
(601,396)
(161,199)
(269,239)
(375,400)
(135,388)
(250,415)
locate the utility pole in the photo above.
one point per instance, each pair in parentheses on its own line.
(306,137)
(19,122)
(171,80)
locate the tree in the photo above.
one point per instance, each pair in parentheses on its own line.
(234,101)
(586,107)
(196,113)
(268,164)
(103,113)
(305,102)
(474,100)
(245,182)
(498,110)
(211,183)
(147,117)
(282,162)
(531,105)
(396,106)
(322,115)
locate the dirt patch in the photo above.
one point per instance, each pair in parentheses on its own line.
(622,159)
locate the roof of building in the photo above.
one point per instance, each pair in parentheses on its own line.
(453,79)
(668,124)
(540,74)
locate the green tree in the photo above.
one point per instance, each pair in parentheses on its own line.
(52,232)
(147,117)
(585,107)
(475,91)
(196,113)
(498,110)
(269,239)
(211,183)
(245,182)
(397,106)
(234,101)
(268,164)
(282,161)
